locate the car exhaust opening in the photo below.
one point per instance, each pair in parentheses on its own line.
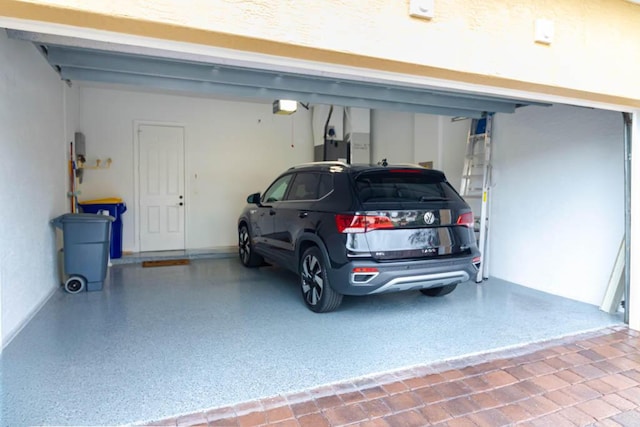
(362,275)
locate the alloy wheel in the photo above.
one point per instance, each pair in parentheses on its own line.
(244,246)
(312,281)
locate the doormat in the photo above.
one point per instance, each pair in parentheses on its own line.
(165,263)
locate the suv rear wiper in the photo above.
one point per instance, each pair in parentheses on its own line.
(432,199)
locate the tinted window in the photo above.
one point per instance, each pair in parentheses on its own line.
(390,186)
(277,190)
(304,186)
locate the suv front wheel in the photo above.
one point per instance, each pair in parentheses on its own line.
(316,291)
(245,249)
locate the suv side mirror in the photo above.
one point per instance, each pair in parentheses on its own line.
(254,199)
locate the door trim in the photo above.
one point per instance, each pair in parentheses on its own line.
(136,177)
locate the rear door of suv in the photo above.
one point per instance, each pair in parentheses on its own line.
(407,213)
(297,212)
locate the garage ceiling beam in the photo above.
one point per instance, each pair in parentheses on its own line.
(290,83)
(188,71)
(171,84)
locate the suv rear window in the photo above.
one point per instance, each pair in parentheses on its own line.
(304,187)
(310,186)
(411,186)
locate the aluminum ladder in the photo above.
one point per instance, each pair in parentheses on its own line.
(475,187)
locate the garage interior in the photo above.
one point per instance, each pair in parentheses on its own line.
(170,341)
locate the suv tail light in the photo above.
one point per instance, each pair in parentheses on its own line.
(466,219)
(361,223)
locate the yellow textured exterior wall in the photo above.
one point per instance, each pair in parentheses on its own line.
(595,53)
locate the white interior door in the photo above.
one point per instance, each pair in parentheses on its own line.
(161,179)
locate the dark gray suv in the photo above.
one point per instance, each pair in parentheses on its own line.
(360,230)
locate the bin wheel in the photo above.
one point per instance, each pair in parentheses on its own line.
(75,284)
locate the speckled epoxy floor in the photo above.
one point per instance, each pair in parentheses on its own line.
(159,342)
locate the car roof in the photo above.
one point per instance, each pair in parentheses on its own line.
(359,168)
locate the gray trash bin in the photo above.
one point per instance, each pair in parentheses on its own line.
(86,250)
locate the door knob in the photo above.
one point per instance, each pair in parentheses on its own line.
(303,214)
(180,204)
(181,197)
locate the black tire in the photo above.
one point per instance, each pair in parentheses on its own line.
(439,291)
(75,284)
(314,283)
(248,257)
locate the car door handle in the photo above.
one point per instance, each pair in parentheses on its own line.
(303,214)
(272,212)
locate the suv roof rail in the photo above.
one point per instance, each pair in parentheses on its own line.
(326,163)
(412,165)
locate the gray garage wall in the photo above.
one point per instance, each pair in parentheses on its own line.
(392,136)
(558,212)
(413,138)
(33,169)
(232,149)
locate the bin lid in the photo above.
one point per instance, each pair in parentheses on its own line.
(107,201)
(80,217)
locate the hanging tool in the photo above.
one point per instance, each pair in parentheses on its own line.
(71,180)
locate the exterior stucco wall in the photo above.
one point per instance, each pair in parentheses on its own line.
(488,42)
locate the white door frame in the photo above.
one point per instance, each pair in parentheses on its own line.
(634,268)
(136,177)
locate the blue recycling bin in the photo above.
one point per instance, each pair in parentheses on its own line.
(116,207)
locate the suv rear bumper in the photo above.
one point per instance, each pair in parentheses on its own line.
(401,276)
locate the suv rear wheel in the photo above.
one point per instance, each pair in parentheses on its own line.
(316,290)
(439,291)
(245,250)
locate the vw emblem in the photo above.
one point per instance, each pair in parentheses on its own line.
(429,218)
